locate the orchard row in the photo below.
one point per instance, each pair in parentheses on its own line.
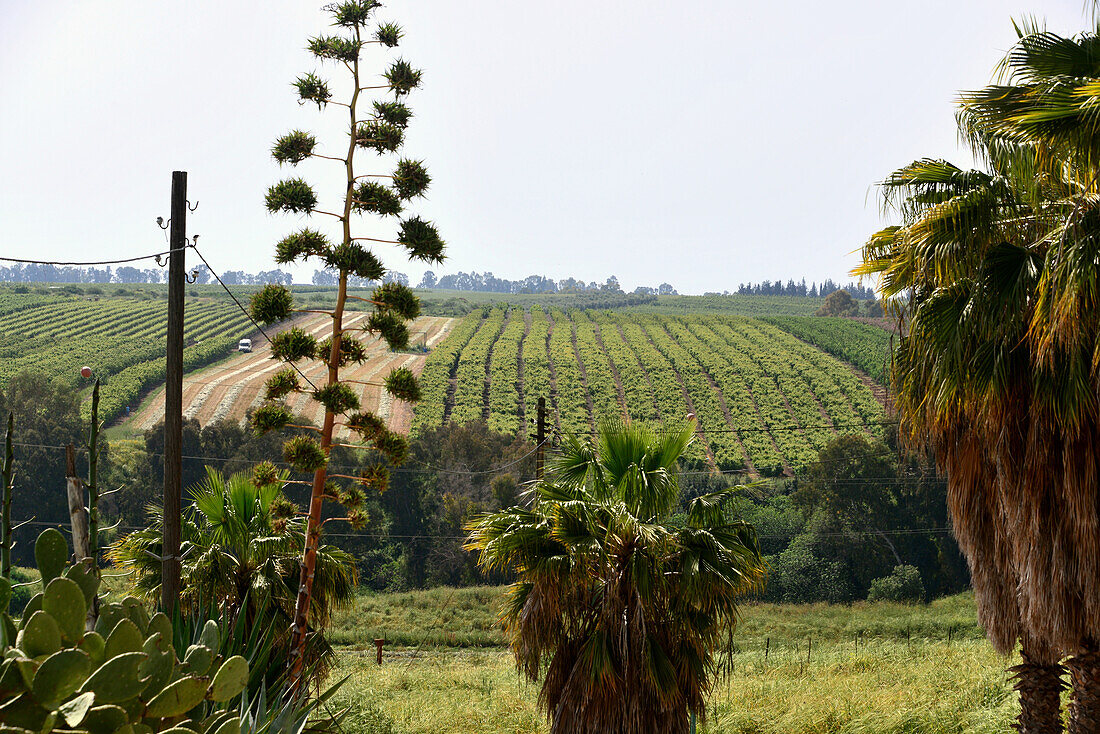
(765,401)
(123,341)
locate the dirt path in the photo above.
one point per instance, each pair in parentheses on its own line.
(229,390)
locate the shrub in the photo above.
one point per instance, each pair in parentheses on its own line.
(902,585)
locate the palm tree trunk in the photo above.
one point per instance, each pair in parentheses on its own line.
(1040,687)
(1084,702)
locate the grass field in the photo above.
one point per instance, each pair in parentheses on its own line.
(813,669)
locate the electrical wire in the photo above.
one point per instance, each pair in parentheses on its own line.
(97,262)
(246,313)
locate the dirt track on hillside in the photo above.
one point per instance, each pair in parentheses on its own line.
(227,391)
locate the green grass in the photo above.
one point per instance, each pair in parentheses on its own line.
(878,667)
(441,617)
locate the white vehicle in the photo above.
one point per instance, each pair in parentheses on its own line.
(245,345)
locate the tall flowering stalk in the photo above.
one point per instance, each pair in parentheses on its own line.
(379,127)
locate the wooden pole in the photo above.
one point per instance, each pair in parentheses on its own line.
(378,643)
(173,400)
(540,438)
(93,481)
(6,481)
(78,514)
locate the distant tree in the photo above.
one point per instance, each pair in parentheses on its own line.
(325,277)
(666,289)
(429,280)
(873,309)
(839,303)
(202,274)
(611,285)
(47,415)
(127,274)
(236,277)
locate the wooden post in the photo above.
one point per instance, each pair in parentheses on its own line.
(7,477)
(173,400)
(78,514)
(93,481)
(767,648)
(378,643)
(540,438)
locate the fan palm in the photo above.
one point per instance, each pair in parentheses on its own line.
(238,553)
(1048,98)
(961,272)
(621,604)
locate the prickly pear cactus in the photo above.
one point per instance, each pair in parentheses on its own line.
(122,678)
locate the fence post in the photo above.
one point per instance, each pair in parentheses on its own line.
(378,643)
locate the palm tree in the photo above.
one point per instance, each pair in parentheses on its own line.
(624,601)
(1047,99)
(241,551)
(961,272)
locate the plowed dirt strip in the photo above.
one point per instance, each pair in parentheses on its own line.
(227,391)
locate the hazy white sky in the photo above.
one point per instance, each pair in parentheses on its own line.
(700,142)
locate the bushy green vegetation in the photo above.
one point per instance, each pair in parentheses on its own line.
(765,401)
(865,346)
(734,305)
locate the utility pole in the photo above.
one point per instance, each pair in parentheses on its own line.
(540,439)
(173,400)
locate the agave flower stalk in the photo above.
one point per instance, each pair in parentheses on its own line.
(392,304)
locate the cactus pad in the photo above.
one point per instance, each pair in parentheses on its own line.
(51,551)
(41,636)
(64,601)
(231,679)
(117,680)
(125,637)
(59,677)
(177,698)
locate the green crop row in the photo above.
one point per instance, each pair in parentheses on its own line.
(536,367)
(436,376)
(504,387)
(637,390)
(597,367)
(862,345)
(121,339)
(696,364)
(571,391)
(469,395)
(765,401)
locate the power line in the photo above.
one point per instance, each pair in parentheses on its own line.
(246,313)
(96,262)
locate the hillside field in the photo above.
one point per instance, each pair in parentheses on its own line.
(766,401)
(230,389)
(123,339)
